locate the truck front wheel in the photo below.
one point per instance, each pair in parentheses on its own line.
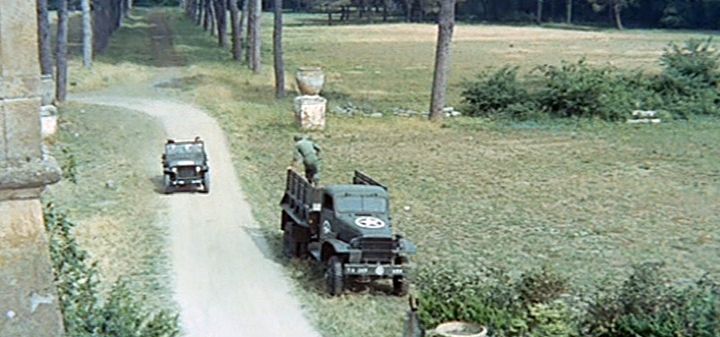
(334,278)
(400,286)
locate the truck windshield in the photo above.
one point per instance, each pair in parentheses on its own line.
(361,205)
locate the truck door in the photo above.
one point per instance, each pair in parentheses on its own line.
(327,216)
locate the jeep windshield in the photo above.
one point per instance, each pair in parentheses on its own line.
(360,204)
(189,151)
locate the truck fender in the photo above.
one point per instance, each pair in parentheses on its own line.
(334,246)
(407,247)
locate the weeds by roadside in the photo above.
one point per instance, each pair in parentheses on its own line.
(85,312)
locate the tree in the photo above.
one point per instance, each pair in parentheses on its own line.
(615,5)
(446,24)
(236,31)
(245,24)
(568,11)
(87,35)
(61,52)
(278,50)
(221,20)
(539,11)
(45,47)
(254,34)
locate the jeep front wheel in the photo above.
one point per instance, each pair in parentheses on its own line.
(167,186)
(334,276)
(206,183)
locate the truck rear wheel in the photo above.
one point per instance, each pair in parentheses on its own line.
(334,278)
(289,246)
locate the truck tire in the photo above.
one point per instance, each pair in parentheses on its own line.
(289,246)
(167,186)
(206,183)
(334,279)
(400,286)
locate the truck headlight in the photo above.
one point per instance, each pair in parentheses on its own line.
(198,168)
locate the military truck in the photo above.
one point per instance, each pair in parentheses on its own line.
(347,228)
(185,164)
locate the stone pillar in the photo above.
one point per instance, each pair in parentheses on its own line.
(28,300)
(310,112)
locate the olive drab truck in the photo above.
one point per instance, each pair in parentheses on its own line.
(347,228)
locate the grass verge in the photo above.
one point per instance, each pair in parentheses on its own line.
(113,201)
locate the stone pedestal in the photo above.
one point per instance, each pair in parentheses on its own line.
(310,112)
(48,121)
(47,90)
(28,300)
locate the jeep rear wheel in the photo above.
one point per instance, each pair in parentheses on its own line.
(334,276)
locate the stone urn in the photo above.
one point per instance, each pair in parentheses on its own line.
(310,80)
(459,329)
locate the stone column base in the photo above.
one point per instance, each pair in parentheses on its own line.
(28,300)
(310,112)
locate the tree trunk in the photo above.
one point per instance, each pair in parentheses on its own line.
(617,8)
(408,10)
(61,52)
(221,20)
(446,24)
(236,28)
(87,34)
(211,16)
(568,11)
(539,11)
(198,12)
(206,15)
(45,47)
(255,36)
(242,31)
(278,50)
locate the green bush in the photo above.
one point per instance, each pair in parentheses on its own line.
(498,93)
(507,306)
(85,314)
(690,79)
(579,90)
(648,304)
(688,86)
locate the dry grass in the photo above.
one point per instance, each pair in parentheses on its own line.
(117,225)
(589,199)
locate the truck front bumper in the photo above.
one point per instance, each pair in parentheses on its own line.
(374,270)
(185,182)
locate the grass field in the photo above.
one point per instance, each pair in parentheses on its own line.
(588,199)
(113,203)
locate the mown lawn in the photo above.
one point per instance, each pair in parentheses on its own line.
(588,199)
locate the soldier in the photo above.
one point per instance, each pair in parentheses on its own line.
(307,152)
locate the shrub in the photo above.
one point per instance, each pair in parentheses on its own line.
(690,79)
(85,314)
(579,90)
(507,306)
(647,304)
(497,93)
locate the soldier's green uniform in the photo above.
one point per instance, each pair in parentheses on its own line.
(307,152)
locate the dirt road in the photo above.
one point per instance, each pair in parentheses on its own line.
(224,283)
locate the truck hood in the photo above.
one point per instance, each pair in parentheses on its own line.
(377,225)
